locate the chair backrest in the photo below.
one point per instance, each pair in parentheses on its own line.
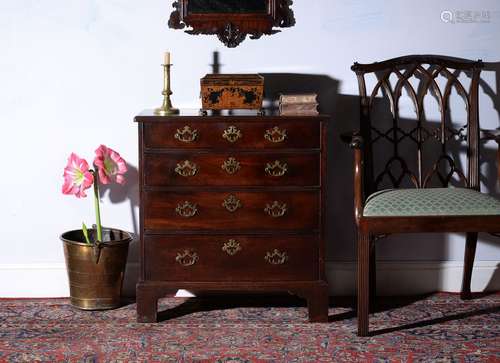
(417,152)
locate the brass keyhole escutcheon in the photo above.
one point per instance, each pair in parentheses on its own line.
(232,204)
(231,247)
(231,166)
(232,134)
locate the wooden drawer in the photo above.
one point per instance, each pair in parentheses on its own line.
(231,258)
(234,134)
(246,210)
(231,169)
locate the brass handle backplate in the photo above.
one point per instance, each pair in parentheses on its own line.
(231,166)
(275,135)
(186,209)
(276,209)
(186,168)
(232,134)
(186,134)
(276,257)
(231,247)
(186,258)
(231,203)
(276,168)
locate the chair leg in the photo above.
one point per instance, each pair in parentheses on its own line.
(373,274)
(363,282)
(470,252)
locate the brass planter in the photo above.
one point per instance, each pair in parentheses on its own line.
(96,273)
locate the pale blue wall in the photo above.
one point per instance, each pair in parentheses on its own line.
(73,74)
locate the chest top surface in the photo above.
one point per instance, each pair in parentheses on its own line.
(193,116)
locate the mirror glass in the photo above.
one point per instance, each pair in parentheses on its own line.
(227,6)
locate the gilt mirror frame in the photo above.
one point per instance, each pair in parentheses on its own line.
(232,25)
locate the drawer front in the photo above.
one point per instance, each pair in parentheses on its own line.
(231,210)
(236,169)
(231,258)
(235,135)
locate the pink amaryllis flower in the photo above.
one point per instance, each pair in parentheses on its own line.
(110,165)
(77,177)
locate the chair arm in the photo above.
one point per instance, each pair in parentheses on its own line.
(355,141)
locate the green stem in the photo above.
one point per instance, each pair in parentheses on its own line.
(97,208)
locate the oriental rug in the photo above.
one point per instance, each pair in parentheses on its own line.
(434,328)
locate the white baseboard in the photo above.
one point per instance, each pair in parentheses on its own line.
(412,277)
(393,278)
(33,280)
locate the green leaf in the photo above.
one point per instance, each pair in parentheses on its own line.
(85,233)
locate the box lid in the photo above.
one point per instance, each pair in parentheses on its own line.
(232,80)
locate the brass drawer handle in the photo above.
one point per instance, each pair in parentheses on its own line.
(231,166)
(186,135)
(232,134)
(186,209)
(276,257)
(276,209)
(186,168)
(275,135)
(276,168)
(231,247)
(186,258)
(231,203)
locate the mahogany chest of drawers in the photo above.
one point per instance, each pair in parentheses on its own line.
(232,203)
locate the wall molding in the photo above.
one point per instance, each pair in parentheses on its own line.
(393,278)
(415,277)
(33,280)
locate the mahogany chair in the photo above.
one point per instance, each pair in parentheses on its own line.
(401,195)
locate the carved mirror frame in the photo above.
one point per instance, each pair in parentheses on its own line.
(233,28)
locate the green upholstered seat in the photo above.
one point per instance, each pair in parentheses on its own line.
(430,202)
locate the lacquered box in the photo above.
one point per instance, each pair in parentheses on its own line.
(232,91)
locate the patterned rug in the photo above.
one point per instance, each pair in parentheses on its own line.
(434,328)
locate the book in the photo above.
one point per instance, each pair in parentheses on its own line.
(299,113)
(298,98)
(299,109)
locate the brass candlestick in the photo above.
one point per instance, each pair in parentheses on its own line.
(166,108)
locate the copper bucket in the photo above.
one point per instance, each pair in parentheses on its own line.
(96,272)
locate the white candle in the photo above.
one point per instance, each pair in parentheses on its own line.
(167,58)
